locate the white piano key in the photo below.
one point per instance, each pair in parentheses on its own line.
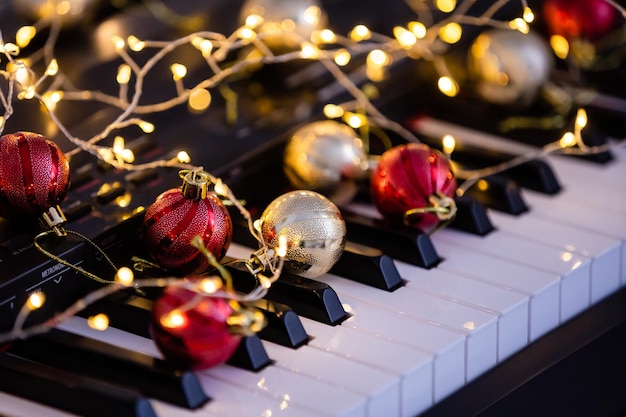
(479,327)
(277,382)
(381,387)
(604,251)
(511,307)
(542,288)
(447,347)
(573,269)
(414,369)
(226,398)
(12,406)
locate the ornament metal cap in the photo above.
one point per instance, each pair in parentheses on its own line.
(54,219)
(195,183)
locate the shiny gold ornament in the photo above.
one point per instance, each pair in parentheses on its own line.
(313,227)
(325,156)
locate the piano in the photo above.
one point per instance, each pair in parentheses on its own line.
(518,307)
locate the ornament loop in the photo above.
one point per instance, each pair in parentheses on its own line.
(195,183)
(441,205)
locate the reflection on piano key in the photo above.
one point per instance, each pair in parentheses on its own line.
(11,406)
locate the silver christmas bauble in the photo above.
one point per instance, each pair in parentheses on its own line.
(313,227)
(509,67)
(285,22)
(320,155)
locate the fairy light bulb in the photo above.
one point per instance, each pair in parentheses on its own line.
(146,127)
(520,25)
(98,322)
(446,6)
(378,58)
(53,68)
(36,300)
(183,157)
(451,33)
(125,276)
(559,45)
(342,57)
(355,120)
(281,250)
(210,285)
(118,42)
(448,86)
(178,71)
(418,29)
(253,20)
(24,35)
(405,38)
(528,15)
(360,33)
(220,188)
(246,33)
(581,119)
(309,51)
(135,44)
(567,140)
(449,143)
(123,74)
(199,99)
(332,111)
(173,319)
(9,48)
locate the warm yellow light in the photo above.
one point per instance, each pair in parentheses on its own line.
(123,74)
(355,120)
(567,140)
(53,67)
(9,48)
(118,42)
(581,118)
(125,276)
(128,155)
(51,98)
(529,16)
(324,36)
(342,57)
(220,188)
(199,99)
(118,144)
(418,29)
(173,319)
(360,33)
(24,35)
(98,322)
(332,111)
(146,127)
(23,75)
(378,58)
(560,45)
(312,15)
(27,94)
(446,6)
(183,157)
(448,86)
(519,24)
(203,45)
(211,284)
(309,51)
(449,143)
(246,33)
(178,71)
(36,300)
(482,185)
(135,44)
(405,37)
(63,7)
(451,32)
(281,250)
(253,20)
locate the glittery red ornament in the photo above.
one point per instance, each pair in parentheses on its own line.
(410,177)
(588,19)
(34,175)
(192,335)
(177,216)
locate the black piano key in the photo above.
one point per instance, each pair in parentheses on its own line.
(405,244)
(149,376)
(250,355)
(369,266)
(471,217)
(498,193)
(132,314)
(283,324)
(69,391)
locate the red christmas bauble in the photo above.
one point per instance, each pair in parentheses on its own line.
(406,178)
(195,338)
(588,19)
(174,219)
(34,175)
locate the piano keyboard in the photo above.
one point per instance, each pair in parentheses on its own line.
(425,348)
